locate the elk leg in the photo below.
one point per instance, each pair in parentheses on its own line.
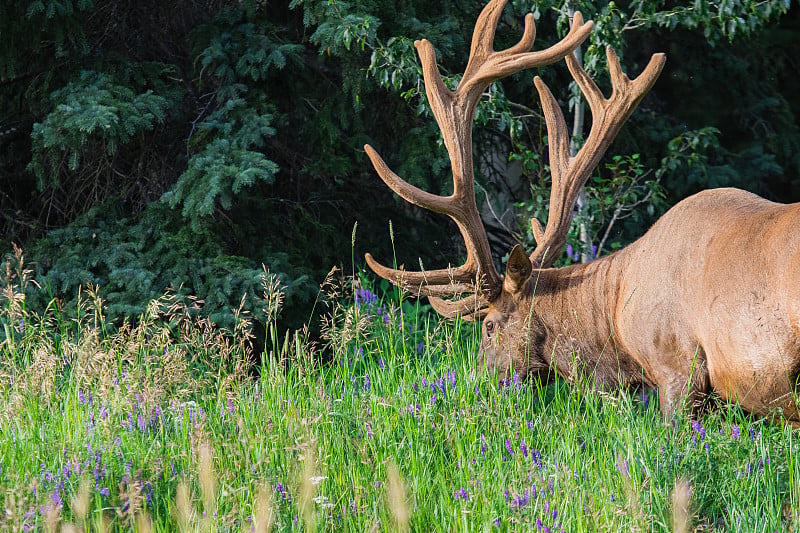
(685,391)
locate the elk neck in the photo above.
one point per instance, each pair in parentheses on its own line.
(577,306)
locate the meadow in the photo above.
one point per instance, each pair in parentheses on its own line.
(170,423)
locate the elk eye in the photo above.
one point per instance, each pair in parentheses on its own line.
(489,328)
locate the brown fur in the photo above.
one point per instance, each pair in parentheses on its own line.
(711,295)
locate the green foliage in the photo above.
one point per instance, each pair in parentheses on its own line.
(34,32)
(717,19)
(227,164)
(233,135)
(618,195)
(133,261)
(91,111)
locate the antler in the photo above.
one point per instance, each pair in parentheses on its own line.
(570,173)
(454,111)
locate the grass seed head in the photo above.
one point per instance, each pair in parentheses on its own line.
(264,511)
(397,497)
(183,507)
(80,501)
(681,517)
(143,523)
(308,486)
(208,481)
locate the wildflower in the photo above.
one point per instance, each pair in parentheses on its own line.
(461,494)
(366,382)
(282,492)
(536,457)
(521,500)
(484,445)
(509,448)
(622,466)
(420,347)
(524,449)
(365,297)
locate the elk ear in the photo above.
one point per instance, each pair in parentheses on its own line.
(518,270)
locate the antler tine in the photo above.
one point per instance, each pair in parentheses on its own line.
(454,111)
(470,308)
(569,174)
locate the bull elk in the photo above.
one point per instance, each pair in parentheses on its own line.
(707,300)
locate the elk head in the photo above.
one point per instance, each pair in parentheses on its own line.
(512,330)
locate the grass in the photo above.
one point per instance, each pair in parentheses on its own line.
(163,426)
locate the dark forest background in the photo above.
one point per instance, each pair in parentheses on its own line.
(153,144)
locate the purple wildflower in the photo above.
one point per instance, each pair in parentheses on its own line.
(521,500)
(461,494)
(622,466)
(509,448)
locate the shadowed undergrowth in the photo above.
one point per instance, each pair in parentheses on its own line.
(163,426)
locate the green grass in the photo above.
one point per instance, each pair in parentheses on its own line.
(164,427)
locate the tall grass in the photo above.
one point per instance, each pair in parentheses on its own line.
(161,425)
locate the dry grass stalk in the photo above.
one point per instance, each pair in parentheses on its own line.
(273,295)
(396,492)
(183,507)
(264,511)
(208,484)
(681,514)
(15,282)
(80,502)
(143,523)
(131,495)
(308,486)
(343,324)
(52,517)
